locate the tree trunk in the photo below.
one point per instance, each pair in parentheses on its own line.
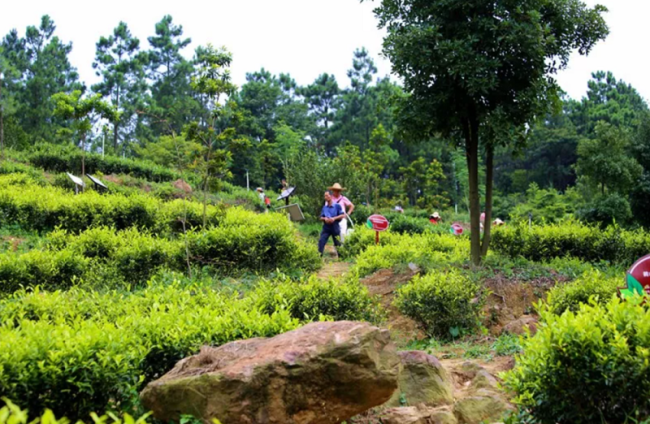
(471,151)
(2,133)
(489,177)
(116,125)
(83,158)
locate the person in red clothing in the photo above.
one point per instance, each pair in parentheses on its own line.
(435,218)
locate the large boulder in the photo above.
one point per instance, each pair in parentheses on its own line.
(422,380)
(323,372)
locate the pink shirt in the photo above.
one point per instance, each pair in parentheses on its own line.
(343,201)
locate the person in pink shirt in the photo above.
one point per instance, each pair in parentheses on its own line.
(348,207)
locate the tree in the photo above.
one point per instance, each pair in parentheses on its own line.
(212,80)
(81,111)
(322,98)
(173,103)
(357,112)
(42,61)
(608,100)
(121,65)
(605,162)
(482,69)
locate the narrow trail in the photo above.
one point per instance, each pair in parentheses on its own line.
(333,268)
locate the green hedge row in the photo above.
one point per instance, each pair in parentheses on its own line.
(55,158)
(243,242)
(77,352)
(592,366)
(43,208)
(427,251)
(13,414)
(572,239)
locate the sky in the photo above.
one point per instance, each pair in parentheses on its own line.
(303,37)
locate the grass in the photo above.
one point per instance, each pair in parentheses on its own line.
(472,347)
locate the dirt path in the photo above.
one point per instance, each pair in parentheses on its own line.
(333,268)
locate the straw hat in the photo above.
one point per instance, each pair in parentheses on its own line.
(498,222)
(336,187)
(259,189)
(435,215)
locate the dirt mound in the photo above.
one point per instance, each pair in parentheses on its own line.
(384,283)
(512,297)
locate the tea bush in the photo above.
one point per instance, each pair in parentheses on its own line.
(572,239)
(55,270)
(310,299)
(586,367)
(444,304)
(591,285)
(245,240)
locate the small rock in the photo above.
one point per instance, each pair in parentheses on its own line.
(422,380)
(322,373)
(521,325)
(481,409)
(418,415)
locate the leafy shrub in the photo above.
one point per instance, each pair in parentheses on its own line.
(12,414)
(402,224)
(607,210)
(55,270)
(586,367)
(444,304)
(572,239)
(428,251)
(591,285)
(310,299)
(245,240)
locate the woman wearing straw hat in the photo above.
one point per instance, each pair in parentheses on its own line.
(346,205)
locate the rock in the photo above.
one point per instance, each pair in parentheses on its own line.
(484,380)
(418,415)
(482,408)
(422,380)
(182,185)
(519,326)
(324,372)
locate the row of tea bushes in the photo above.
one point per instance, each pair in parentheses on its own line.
(427,251)
(57,159)
(572,239)
(77,352)
(43,208)
(243,242)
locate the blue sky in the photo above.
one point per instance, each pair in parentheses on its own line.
(304,37)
